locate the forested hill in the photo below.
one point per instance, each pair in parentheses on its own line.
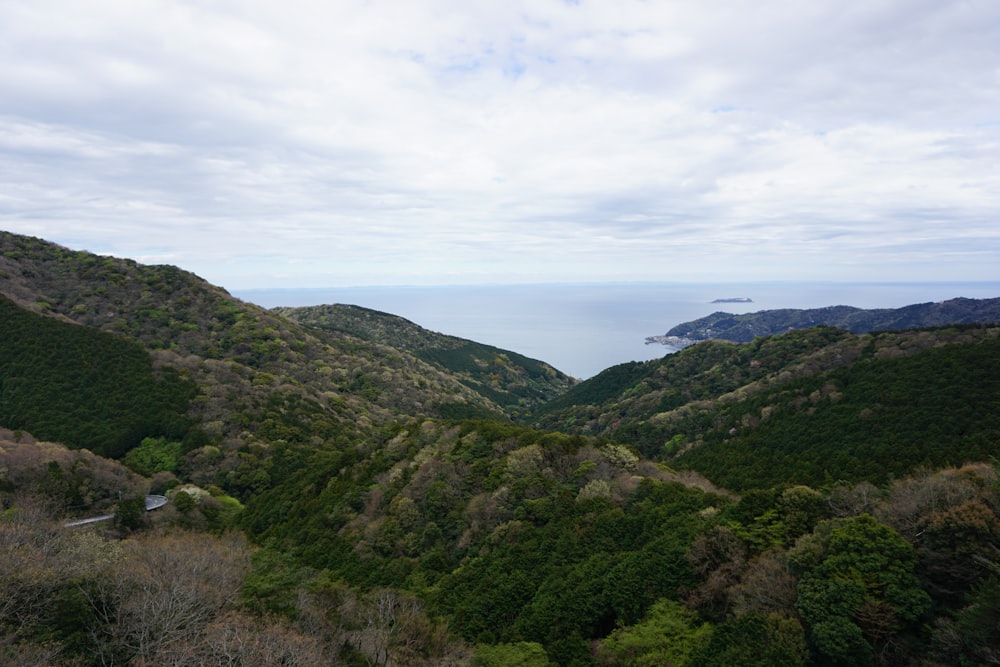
(259,377)
(808,406)
(510,379)
(746,327)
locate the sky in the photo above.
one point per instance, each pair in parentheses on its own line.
(336,143)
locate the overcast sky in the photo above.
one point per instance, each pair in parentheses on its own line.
(340,142)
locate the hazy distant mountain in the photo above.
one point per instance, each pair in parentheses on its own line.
(744,328)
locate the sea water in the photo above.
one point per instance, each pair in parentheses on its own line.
(581,329)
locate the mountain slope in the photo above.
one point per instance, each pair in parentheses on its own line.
(744,328)
(507,378)
(514,534)
(261,378)
(803,407)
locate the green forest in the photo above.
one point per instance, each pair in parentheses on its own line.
(85,388)
(347,488)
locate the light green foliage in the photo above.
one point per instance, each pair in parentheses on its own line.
(595,488)
(521,654)
(807,407)
(227,513)
(673,445)
(669,635)
(620,455)
(362,493)
(154,455)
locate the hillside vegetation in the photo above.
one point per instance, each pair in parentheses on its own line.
(192,325)
(509,379)
(347,488)
(810,406)
(260,379)
(86,388)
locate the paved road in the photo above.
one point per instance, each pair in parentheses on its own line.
(152,503)
(155,502)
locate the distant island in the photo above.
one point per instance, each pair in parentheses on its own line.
(734,299)
(746,327)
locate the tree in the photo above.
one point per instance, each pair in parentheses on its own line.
(235,639)
(669,635)
(766,587)
(755,640)
(719,557)
(41,564)
(862,593)
(154,455)
(163,592)
(521,654)
(955,543)
(393,628)
(130,514)
(978,624)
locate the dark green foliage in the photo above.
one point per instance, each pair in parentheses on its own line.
(505,546)
(83,387)
(862,592)
(569,576)
(754,640)
(184,502)
(872,420)
(535,546)
(604,386)
(130,514)
(808,407)
(684,385)
(241,356)
(978,627)
(273,582)
(458,411)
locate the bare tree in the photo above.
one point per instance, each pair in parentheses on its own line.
(237,639)
(393,625)
(767,586)
(164,593)
(19,654)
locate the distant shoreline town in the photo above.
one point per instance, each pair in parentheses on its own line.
(734,299)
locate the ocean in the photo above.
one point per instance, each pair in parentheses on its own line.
(581,329)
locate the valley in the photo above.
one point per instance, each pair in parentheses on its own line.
(358,490)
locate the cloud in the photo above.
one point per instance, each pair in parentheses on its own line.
(359,142)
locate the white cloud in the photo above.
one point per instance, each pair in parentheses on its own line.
(392,142)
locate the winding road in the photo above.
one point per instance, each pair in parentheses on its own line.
(152,503)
